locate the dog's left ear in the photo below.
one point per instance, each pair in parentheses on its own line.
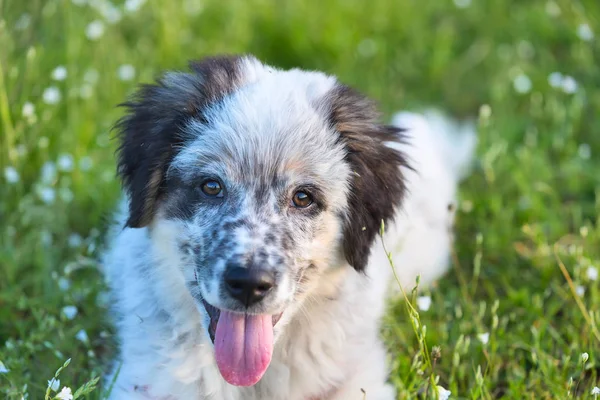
(377,185)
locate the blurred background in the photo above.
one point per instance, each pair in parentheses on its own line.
(517,316)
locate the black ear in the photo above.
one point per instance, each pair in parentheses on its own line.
(377,185)
(151,132)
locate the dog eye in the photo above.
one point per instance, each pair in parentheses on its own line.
(302,199)
(212,188)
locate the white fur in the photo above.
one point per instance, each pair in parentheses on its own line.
(330,349)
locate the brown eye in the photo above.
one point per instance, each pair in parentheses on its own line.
(302,199)
(212,188)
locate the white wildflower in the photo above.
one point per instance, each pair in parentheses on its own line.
(65,162)
(584,357)
(112,14)
(85,164)
(28,110)
(51,95)
(584,151)
(522,83)
(484,337)
(423,302)
(580,290)
(555,79)
(23,22)
(126,72)
(595,391)
(462,3)
(59,73)
(47,194)
(585,32)
(3,369)
(592,273)
(91,76)
(82,336)
(133,5)
(65,394)
(69,311)
(64,284)
(552,9)
(94,30)
(11,174)
(74,240)
(54,384)
(569,85)
(48,172)
(443,394)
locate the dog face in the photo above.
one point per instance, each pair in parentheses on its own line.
(254,182)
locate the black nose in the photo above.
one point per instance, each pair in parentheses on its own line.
(248,285)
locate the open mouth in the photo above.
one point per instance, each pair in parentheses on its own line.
(243,344)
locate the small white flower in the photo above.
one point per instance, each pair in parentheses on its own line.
(65,162)
(552,9)
(580,290)
(95,30)
(28,110)
(3,369)
(59,73)
(584,151)
(46,238)
(74,240)
(23,22)
(423,302)
(82,336)
(47,194)
(65,394)
(595,391)
(584,357)
(69,311)
(522,83)
(126,72)
(91,76)
(569,85)
(64,284)
(54,384)
(51,95)
(592,273)
(484,337)
(443,394)
(48,172)
(134,5)
(555,79)
(585,32)
(85,164)
(11,175)
(462,3)
(112,14)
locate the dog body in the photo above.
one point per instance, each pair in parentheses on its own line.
(245,261)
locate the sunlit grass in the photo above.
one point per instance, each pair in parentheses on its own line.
(522,302)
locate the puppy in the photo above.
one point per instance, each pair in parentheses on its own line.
(245,261)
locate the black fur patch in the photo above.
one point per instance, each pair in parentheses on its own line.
(377,185)
(152,130)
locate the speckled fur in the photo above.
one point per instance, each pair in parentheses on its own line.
(264,132)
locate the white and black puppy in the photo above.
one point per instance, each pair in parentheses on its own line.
(245,261)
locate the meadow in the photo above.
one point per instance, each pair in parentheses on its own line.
(517,316)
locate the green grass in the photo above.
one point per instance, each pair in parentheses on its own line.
(530,206)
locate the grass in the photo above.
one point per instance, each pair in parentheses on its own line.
(521,304)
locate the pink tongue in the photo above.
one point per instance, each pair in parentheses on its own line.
(243,347)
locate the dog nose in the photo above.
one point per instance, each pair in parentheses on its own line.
(248,285)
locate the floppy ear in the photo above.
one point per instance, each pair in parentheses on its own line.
(377,185)
(151,132)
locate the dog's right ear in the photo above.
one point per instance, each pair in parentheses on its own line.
(151,132)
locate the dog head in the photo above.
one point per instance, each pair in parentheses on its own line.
(253,182)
